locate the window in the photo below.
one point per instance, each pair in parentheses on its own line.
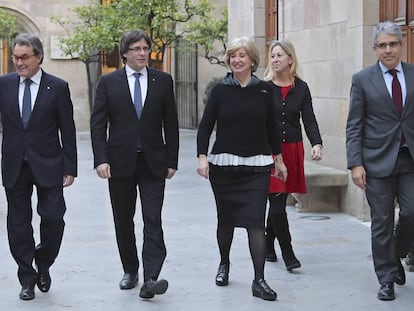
(402,13)
(271,22)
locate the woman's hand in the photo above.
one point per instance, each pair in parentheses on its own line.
(316,153)
(203,166)
(280,168)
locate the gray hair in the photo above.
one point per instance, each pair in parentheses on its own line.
(32,40)
(389,28)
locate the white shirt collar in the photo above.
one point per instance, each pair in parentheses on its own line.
(35,78)
(385,69)
(130,71)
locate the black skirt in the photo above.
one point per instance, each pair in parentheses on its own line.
(241,195)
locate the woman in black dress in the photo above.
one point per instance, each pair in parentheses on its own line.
(242,109)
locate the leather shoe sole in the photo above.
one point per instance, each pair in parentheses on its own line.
(128,281)
(152,288)
(27,293)
(400,280)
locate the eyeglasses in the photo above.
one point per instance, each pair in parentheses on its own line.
(392,44)
(139,49)
(23,58)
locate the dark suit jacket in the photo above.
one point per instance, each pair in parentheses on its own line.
(49,141)
(157,127)
(374,126)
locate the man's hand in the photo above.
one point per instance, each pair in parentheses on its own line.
(103,170)
(359,177)
(68,180)
(170,173)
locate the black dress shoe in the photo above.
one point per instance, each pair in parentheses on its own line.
(222,276)
(386,291)
(27,292)
(294,263)
(271,257)
(262,290)
(291,262)
(152,287)
(128,281)
(43,280)
(400,280)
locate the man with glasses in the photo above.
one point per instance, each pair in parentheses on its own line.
(134,130)
(38,150)
(380,150)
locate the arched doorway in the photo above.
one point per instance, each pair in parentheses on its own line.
(24,24)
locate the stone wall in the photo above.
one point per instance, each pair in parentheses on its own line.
(34,17)
(332,41)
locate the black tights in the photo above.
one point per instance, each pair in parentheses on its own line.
(257,246)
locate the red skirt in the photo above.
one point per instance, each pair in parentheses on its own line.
(293,156)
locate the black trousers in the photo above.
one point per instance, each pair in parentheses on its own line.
(51,209)
(123,193)
(381,194)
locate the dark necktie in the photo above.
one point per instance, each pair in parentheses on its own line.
(397,96)
(27,102)
(396,91)
(137,95)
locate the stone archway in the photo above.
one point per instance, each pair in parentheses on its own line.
(24,24)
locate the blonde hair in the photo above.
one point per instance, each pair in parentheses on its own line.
(288,48)
(249,46)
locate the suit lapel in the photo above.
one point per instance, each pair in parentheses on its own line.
(409,80)
(45,88)
(151,87)
(378,82)
(14,93)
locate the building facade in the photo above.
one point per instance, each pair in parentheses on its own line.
(35,17)
(331,37)
(191,71)
(332,40)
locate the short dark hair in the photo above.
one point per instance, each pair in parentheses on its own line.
(32,40)
(130,37)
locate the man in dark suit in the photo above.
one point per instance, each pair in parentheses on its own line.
(380,150)
(137,105)
(38,149)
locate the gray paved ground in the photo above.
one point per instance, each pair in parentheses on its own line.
(337,271)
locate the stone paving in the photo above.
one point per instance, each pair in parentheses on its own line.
(336,275)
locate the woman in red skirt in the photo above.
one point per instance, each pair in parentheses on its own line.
(294,103)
